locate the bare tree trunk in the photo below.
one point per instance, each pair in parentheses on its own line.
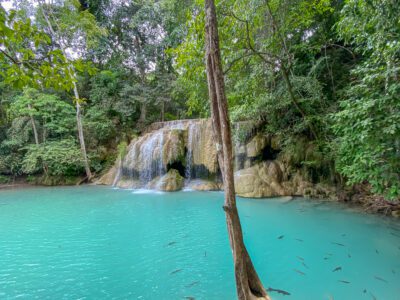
(162,111)
(35,133)
(143,114)
(248,284)
(80,134)
(76,95)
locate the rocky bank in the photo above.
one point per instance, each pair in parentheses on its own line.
(169,156)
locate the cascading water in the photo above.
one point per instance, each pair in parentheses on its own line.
(151,158)
(186,145)
(119,172)
(192,143)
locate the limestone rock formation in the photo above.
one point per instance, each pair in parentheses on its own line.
(259,181)
(108,178)
(187,147)
(170,182)
(256,145)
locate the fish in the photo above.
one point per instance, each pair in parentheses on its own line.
(348,255)
(377,252)
(379,278)
(270,289)
(300,240)
(337,269)
(300,272)
(175,271)
(373,296)
(343,234)
(339,244)
(364,291)
(299,257)
(281,237)
(326,258)
(190,298)
(344,281)
(392,233)
(171,243)
(304,265)
(393,271)
(192,284)
(205,253)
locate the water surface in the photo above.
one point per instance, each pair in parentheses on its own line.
(103,243)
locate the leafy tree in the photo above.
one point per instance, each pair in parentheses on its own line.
(25,58)
(55,158)
(367,125)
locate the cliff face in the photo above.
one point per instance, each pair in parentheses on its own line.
(171,155)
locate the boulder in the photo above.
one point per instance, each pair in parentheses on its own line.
(108,178)
(256,145)
(170,182)
(259,181)
(396,213)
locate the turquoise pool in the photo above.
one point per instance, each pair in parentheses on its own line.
(103,243)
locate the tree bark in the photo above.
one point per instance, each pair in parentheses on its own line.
(35,133)
(248,284)
(76,95)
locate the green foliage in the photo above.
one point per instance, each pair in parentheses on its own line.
(53,116)
(4,179)
(367,125)
(320,76)
(27,59)
(99,129)
(55,158)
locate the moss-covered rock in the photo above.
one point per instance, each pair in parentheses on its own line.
(256,145)
(170,182)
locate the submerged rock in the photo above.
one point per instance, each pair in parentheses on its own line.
(170,182)
(204,185)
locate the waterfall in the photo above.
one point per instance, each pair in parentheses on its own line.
(119,172)
(185,145)
(151,158)
(193,137)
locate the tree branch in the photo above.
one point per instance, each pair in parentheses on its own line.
(17,62)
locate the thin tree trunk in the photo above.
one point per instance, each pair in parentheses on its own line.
(248,284)
(143,114)
(35,133)
(80,134)
(162,111)
(76,95)
(285,75)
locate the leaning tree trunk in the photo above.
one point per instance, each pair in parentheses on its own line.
(76,95)
(248,284)
(80,133)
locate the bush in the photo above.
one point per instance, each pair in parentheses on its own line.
(54,158)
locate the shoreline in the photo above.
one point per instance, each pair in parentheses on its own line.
(356,205)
